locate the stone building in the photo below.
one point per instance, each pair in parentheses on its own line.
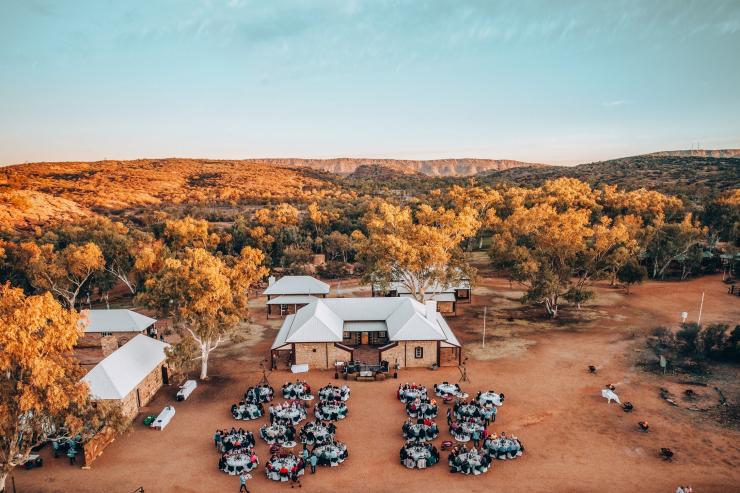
(399,330)
(111,329)
(446,296)
(290,293)
(131,375)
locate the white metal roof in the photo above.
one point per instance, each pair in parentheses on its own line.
(324,320)
(297,285)
(119,320)
(120,372)
(292,300)
(436,297)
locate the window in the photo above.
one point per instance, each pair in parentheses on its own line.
(418,352)
(106,334)
(345,335)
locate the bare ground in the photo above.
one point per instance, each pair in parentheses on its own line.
(574,441)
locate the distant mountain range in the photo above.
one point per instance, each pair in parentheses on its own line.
(434,167)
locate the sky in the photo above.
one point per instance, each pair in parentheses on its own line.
(558,82)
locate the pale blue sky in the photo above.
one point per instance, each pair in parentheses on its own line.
(549,81)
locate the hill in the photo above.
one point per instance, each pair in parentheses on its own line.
(435,167)
(692,178)
(69,189)
(731,153)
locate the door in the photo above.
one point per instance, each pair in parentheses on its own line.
(364,338)
(165,376)
(138,399)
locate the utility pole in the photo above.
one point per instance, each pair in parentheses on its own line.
(485,308)
(701,307)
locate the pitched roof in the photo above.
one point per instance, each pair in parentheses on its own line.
(292,299)
(120,372)
(117,321)
(324,320)
(297,285)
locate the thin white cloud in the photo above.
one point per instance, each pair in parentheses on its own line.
(614,103)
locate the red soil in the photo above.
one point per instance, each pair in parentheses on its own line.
(574,441)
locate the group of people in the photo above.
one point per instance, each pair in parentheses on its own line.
(446,389)
(298,390)
(419,454)
(409,391)
(226,440)
(489,398)
(330,453)
(422,407)
(288,412)
(333,392)
(285,467)
(332,410)
(247,410)
(468,461)
(278,433)
(503,447)
(259,393)
(423,430)
(472,410)
(236,447)
(317,433)
(69,447)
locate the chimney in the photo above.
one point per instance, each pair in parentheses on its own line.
(431,310)
(271,280)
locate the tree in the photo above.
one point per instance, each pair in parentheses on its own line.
(189,232)
(116,241)
(418,249)
(338,246)
(542,249)
(41,395)
(631,273)
(205,295)
(668,242)
(62,272)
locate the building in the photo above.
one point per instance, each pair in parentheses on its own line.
(289,293)
(131,375)
(446,296)
(111,329)
(398,330)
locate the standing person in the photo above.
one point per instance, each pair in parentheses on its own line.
(72,454)
(313,461)
(243,477)
(476,439)
(217,440)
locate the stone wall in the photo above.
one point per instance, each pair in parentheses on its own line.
(448,356)
(446,307)
(107,343)
(429,353)
(404,354)
(147,389)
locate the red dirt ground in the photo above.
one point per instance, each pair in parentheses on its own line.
(574,441)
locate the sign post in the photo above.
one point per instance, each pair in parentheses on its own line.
(485,309)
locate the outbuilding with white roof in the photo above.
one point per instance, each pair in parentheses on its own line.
(130,375)
(289,293)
